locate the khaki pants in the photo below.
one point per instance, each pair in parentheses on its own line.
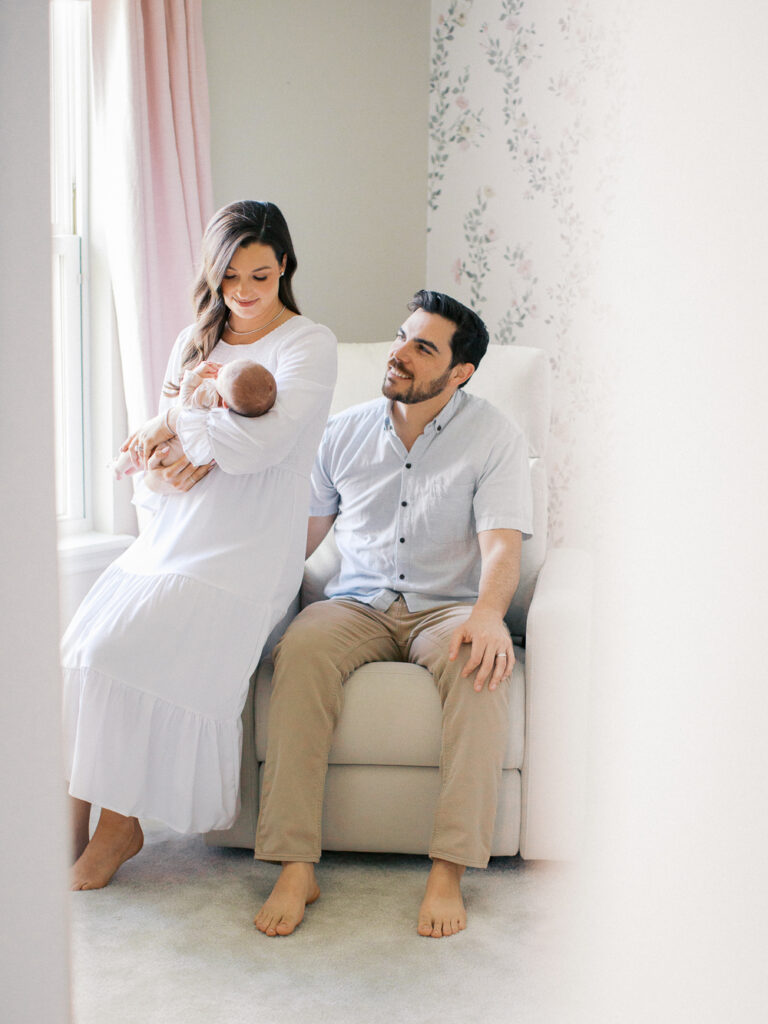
(323,645)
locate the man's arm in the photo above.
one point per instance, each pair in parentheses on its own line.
(485,629)
(317,528)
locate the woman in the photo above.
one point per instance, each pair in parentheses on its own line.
(158,657)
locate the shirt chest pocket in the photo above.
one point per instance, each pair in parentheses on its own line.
(445,508)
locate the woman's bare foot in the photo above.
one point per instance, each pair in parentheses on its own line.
(115,841)
(295,889)
(80,815)
(442,909)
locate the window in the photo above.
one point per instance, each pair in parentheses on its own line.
(70,63)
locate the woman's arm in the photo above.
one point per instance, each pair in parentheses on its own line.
(305,377)
(170,472)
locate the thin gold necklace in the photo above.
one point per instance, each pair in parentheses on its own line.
(243,334)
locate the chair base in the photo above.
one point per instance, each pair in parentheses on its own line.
(363,801)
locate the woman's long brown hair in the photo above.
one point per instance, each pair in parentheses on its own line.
(240,223)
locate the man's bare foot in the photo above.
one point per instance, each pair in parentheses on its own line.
(295,889)
(115,841)
(80,816)
(442,910)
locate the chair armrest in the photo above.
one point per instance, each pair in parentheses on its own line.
(557,673)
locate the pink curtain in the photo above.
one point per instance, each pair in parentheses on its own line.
(152,182)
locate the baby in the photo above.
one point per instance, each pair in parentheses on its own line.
(242,386)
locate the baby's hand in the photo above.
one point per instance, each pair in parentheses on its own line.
(208,369)
(122,465)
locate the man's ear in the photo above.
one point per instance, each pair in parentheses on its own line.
(462,372)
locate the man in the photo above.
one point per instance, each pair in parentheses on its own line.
(430,494)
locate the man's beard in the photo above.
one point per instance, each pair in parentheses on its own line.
(413,395)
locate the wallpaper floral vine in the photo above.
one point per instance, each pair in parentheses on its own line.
(525,101)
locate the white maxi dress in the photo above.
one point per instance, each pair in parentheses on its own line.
(158,657)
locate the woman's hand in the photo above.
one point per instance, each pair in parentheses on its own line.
(177,476)
(142,444)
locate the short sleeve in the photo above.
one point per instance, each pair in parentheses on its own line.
(324,498)
(503,498)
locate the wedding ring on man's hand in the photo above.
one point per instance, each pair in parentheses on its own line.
(501,654)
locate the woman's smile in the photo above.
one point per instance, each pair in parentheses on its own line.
(250,287)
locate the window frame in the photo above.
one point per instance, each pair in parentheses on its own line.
(69,133)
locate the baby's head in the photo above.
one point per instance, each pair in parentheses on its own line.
(246,387)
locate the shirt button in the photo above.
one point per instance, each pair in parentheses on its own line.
(439,428)
(403,503)
(407,465)
(401,576)
(402,540)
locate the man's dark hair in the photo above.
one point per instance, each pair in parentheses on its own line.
(470,339)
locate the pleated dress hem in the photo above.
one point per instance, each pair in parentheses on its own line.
(185,766)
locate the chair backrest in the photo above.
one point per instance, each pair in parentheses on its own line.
(516,380)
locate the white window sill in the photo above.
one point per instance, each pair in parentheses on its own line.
(89,552)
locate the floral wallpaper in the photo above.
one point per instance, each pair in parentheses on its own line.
(525,102)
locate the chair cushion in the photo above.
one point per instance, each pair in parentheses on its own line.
(392,716)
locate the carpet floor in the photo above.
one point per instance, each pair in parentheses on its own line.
(172,940)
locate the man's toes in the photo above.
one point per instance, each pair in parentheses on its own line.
(285,926)
(425,926)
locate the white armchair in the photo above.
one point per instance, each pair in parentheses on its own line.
(382,779)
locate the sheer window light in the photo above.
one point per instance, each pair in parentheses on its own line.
(70,63)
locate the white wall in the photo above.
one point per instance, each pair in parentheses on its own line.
(322,109)
(34,983)
(674,923)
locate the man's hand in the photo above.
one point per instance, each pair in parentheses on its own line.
(492,653)
(177,476)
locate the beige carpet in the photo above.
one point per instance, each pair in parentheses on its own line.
(172,940)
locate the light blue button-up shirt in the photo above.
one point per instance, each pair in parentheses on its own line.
(408,520)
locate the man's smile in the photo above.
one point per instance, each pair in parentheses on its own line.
(393,371)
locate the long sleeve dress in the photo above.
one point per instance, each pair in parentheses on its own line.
(157,659)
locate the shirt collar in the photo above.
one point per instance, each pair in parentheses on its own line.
(437,424)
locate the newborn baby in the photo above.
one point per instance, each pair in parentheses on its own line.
(242,386)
